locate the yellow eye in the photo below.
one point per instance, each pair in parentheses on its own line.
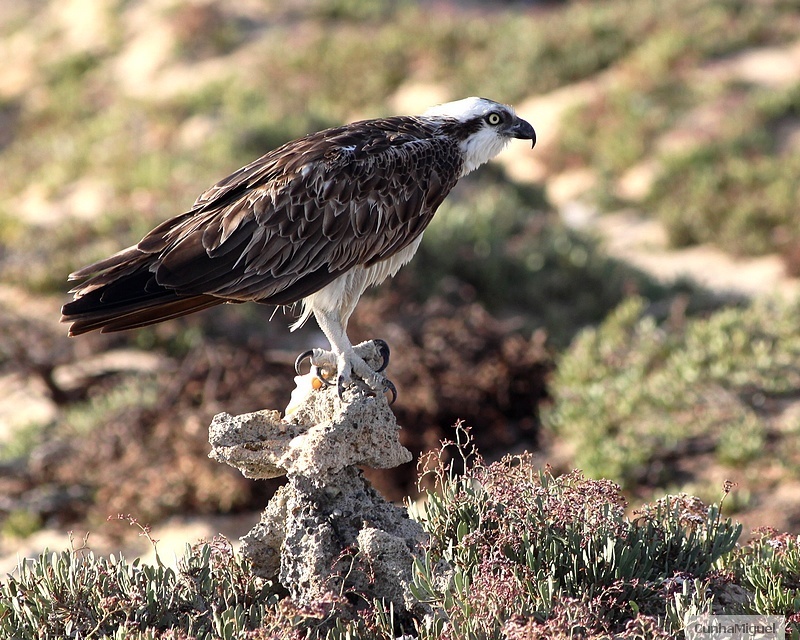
(493,118)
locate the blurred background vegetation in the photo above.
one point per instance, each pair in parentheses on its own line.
(115,114)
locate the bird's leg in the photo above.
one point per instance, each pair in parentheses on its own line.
(366,360)
(348,362)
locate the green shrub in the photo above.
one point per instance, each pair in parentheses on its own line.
(76,594)
(616,131)
(20,523)
(513,547)
(739,200)
(770,567)
(737,190)
(514,552)
(630,393)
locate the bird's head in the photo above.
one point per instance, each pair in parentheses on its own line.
(483,126)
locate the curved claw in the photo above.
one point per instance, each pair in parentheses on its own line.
(383,349)
(299,360)
(339,386)
(389,386)
(323,379)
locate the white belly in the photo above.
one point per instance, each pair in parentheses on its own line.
(342,295)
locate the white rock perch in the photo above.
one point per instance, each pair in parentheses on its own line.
(327,529)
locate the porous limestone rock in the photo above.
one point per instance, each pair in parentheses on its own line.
(327,529)
(322,436)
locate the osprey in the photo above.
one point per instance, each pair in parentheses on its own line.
(317,221)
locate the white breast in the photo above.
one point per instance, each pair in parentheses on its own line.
(341,295)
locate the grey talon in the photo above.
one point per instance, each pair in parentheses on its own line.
(299,360)
(340,387)
(389,386)
(383,350)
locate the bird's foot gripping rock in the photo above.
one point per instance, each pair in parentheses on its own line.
(366,361)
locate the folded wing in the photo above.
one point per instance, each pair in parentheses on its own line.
(278,229)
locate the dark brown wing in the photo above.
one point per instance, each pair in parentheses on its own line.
(279,228)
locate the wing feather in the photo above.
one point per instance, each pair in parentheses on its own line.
(291,222)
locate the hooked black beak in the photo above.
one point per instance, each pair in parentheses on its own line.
(522,129)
